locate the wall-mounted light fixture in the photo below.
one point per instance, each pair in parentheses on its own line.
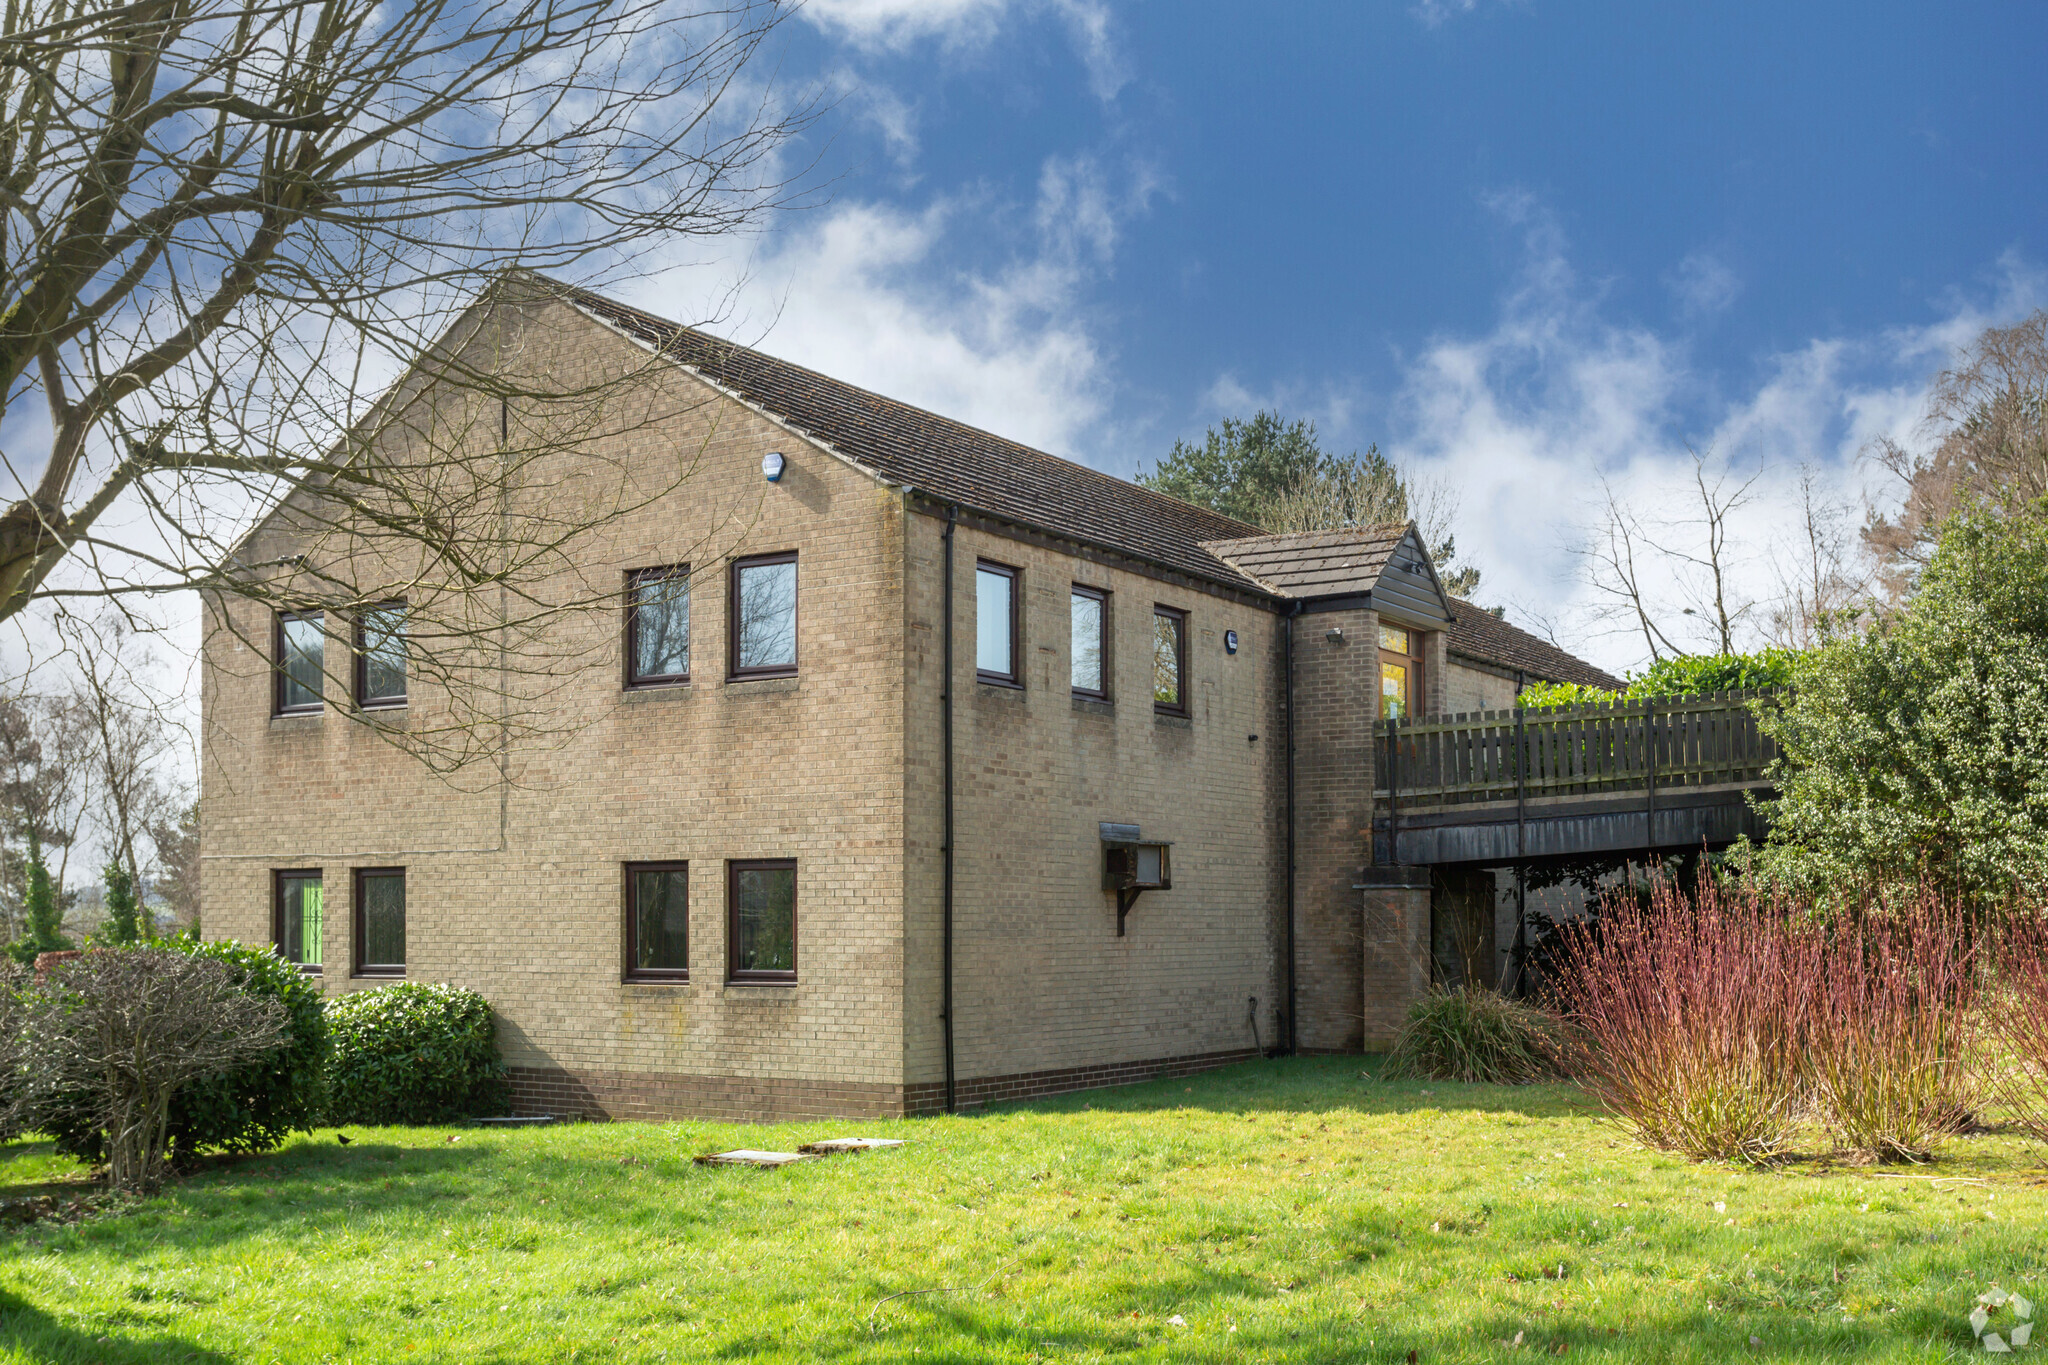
(1336,635)
(1131,864)
(1230,642)
(772,465)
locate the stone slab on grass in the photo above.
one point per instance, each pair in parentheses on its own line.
(747,1156)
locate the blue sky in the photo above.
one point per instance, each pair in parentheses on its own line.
(1516,244)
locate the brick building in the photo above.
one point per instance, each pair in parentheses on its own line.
(778,860)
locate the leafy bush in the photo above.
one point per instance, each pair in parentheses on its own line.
(1890,1029)
(413,1053)
(253,1108)
(1914,753)
(1688,675)
(250,1107)
(1475,1035)
(1689,1020)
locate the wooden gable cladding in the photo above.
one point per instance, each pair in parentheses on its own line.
(1388,564)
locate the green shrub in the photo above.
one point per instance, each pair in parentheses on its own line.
(1474,1035)
(413,1053)
(251,1108)
(1688,675)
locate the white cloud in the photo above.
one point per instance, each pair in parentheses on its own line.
(1703,283)
(972,26)
(869,293)
(1525,418)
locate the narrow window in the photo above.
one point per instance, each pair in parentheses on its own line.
(996,625)
(296,920)
(301,655)
(1169,661)
(761,920)
(380,656)
(380,921)
(764,616)
(657,921)
(658,626)
(1089,626)
(1400,671)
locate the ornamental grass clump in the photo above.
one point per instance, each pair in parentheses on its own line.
(1687,1018)
(2018,1012)
(1474,1034)
(1891,1024)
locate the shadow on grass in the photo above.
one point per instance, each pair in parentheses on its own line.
(35,1335)
(1312,1085)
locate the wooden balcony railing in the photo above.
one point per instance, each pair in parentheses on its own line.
(1585,750)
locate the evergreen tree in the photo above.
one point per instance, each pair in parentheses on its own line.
(124,916)
(45,917)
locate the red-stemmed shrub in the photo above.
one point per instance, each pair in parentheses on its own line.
(1688,1019)
(1891,1045)
(2019,1015)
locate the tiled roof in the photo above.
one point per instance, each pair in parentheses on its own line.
(944,459)
(1479,634)
(1314,563)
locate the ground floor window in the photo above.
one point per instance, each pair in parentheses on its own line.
(657,921)
(296,919)
(761,920)
(380,921)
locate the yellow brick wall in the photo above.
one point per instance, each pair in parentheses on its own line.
(1042,982)
(515,889)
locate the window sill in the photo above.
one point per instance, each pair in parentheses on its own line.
(761,985)
(306,970)
(639,979)
(1007,693)
(1173,720)
(313,715)
(1094,706)
(998,680)
(370,974)
(782,682)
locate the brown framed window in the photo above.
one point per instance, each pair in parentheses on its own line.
(1400,671)
(300,651)
(658,626)
(1088,627)
(1169,661)
(295,917)
(380,921)
(998,624)
(760,930)
(657,921)
(380,656)
(762,610)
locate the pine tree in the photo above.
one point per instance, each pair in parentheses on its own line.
(124,917)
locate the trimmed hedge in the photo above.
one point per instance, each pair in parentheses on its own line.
(413,1053)
(1688,675)
(254,1107)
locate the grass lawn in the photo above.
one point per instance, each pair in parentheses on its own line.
(1285,1211)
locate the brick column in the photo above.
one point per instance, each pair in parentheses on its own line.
(1435,668)
(1336,686)
(1394,966)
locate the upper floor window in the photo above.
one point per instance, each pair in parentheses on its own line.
(658,626)
(996,624)
(761,920)
(296,920)
(380,656)
(1169,661)
(1400,671)
(380,921)
(1088,614)
(657,921)
(764,616)
(301,659)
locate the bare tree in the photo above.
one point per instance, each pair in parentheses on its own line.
(1370,490)
(45,788)
(231,226)
(118,1032)
(176,885)
(1616,557)
(1987,423)
(1824,582)
(127,741)
(1635,564)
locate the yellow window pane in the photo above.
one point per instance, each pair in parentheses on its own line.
(1393,690)
(1394,638)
